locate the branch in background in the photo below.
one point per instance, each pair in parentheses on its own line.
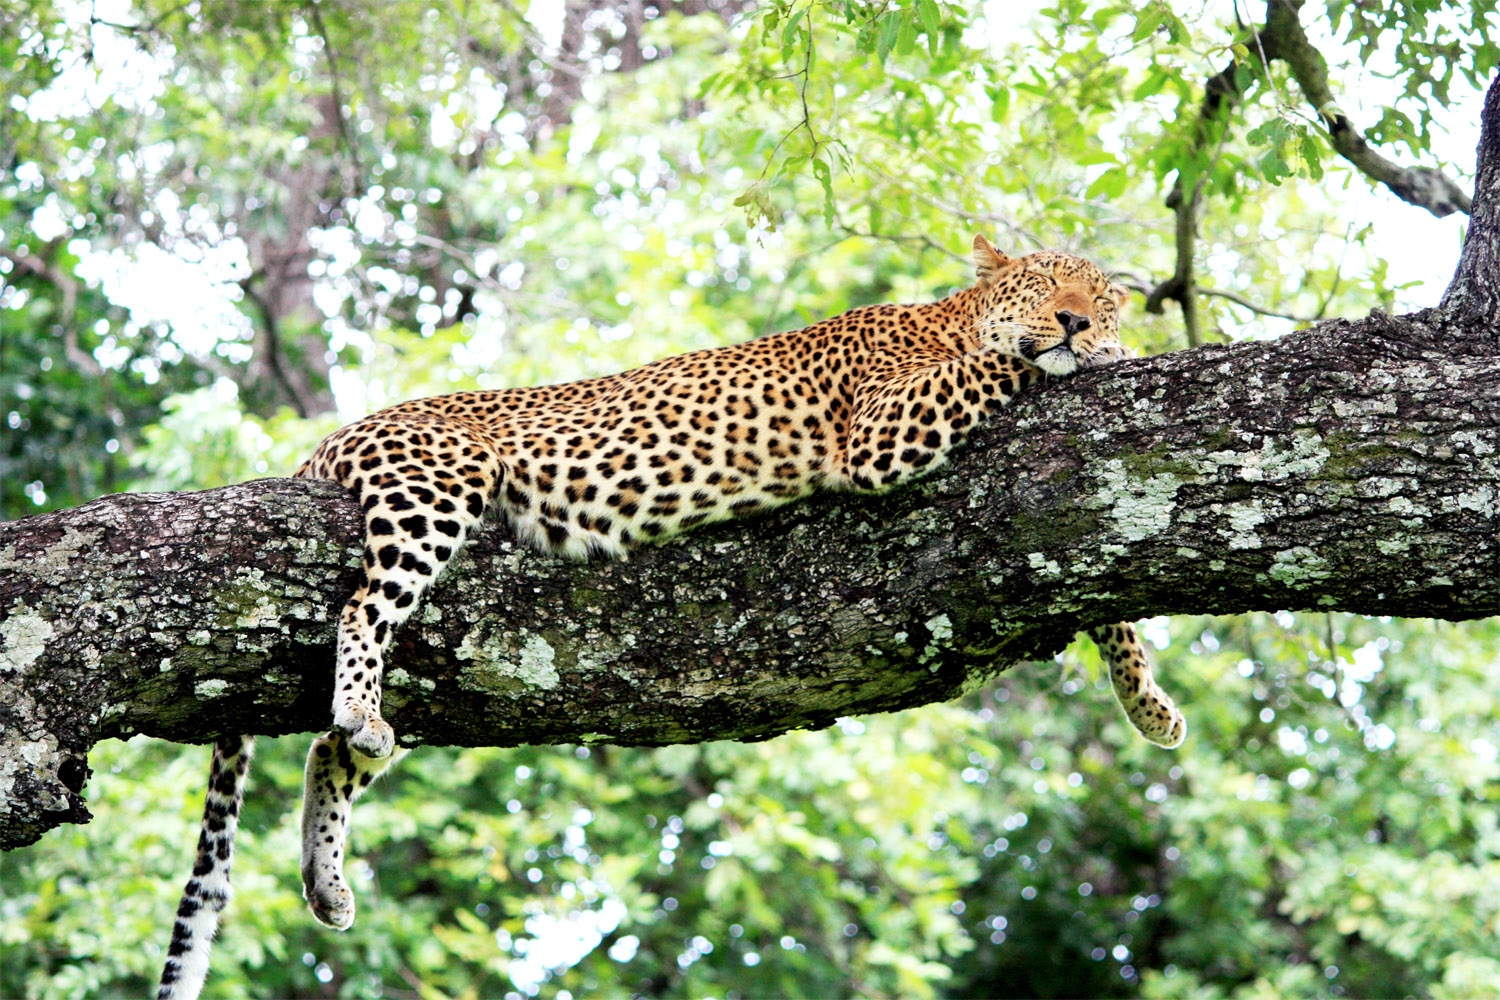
(1259,310)
(275,357)
(1283,38)
(81,360)
(1182,287)
(346,134)
(1221,94)
(1419,186)
(1136,285)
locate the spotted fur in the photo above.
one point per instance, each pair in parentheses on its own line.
(863,401)
(207,892)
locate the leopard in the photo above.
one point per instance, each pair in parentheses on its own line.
(864,401)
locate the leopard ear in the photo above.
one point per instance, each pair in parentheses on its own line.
(987,259)
(1121,295)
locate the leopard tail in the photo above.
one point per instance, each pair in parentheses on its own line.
(207,892)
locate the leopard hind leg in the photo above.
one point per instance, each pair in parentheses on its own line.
(1150,709)
(207,891)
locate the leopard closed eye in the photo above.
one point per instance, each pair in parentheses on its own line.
(862,401)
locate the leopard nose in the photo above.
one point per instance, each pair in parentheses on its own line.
(1072,322)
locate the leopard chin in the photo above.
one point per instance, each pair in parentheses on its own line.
(1059,360)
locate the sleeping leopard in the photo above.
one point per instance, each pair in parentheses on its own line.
(863,401)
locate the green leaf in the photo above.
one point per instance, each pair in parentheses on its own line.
(789,35)
(824,174)
(1155,79)
(1273,168)
(890,24)
(932,20)
(906,37)
(1110,184)
(1312,155)
(999,103)
(1089,156)
(1146,22)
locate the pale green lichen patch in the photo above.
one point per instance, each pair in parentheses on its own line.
(23,639)
(1475,442)
(212,688)
(1306,456)
(264,614)
(1045,566)
(1298,567)
(1141,507)
(55,563)
(500,665)
(1481,501)
(941,628)
(29,756)
(1243,519)
(1403,507)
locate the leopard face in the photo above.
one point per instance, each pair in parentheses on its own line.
(1058,312)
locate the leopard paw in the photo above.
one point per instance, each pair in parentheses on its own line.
(368,733)
(1159,720)
(1107,354)
(329,899)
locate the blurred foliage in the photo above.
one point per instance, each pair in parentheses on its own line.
(227,226)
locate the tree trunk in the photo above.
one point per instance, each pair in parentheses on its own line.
(1354,466)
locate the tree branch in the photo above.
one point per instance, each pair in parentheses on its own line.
(1282,37)
(1419,186)
(1472,300)
(1354,467)
(1240,300)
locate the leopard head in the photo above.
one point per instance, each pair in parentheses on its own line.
(1053,310)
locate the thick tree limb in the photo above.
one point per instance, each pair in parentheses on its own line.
(1472,300)
(1356,467)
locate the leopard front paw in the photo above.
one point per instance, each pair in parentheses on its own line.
(368,733)
(329,899)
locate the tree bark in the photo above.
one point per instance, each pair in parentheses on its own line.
(1354,466)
